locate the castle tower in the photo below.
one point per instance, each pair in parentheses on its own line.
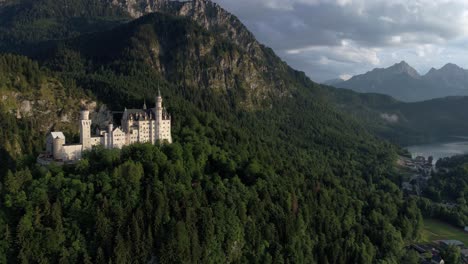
(57,148)
(85,130)
(159,105)
(110,129)
(163,122)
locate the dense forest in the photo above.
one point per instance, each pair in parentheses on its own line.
(247,187)
(264,168)
(446,192)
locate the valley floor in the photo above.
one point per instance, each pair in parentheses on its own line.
(438,230)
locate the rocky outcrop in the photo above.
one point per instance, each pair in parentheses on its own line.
(249,68)
(49,108)
(207,14)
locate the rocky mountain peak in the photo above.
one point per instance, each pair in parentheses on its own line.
(451,67)
(403,67)
(207,14)
(431,71)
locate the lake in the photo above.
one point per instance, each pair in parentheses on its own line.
(439,150)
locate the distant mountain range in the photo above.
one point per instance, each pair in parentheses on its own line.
(404,83)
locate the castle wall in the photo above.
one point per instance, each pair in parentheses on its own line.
(104,139)
(118,138)
(165,131)
(72,152)
(57,148)
(143,131)
(95,141)
(133,136)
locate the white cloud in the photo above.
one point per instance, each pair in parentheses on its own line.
(324,60)
(395,39)
(387,19)
(348,52)
(328,37)
(391,118)
(345,76)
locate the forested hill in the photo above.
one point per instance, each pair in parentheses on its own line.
(263,168)
(24,23)
(230,60)
(33,101)
(183,54)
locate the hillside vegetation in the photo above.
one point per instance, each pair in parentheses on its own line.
(32,102)
(265,167)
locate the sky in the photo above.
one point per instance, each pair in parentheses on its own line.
(328,39)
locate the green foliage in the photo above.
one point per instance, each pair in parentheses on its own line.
(447,190)
(285,179)
(23,79)
(411,257)
(19,73)
(434,120)
(221,193)
(30,21)
(451,254)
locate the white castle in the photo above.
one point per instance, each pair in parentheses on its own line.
(138,125)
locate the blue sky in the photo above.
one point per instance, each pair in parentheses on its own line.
(331,38)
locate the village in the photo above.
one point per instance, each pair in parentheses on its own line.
(419,171)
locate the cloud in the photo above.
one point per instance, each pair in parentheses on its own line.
(352,36)
(347,52)
(345,76)
(391,118)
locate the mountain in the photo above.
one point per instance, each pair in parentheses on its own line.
(404,83)
(436,120)
(265,167)
(333,81)
(24,23)
(450,76)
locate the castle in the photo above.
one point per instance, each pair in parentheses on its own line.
(137,125)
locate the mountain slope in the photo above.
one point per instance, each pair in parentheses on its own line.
(263,168)
(450,76)
(242,82)
(32,102)
(184,54)
(24,23)
(404,83)
(268,78)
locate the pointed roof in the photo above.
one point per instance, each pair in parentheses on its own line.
(59,135)
(144,104)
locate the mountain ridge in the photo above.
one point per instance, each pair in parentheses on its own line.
(266,165)
(262,168)
(404,83)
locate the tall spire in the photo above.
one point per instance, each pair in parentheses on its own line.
(144,104)
(159,92)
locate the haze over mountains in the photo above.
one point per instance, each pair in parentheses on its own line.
(404,83)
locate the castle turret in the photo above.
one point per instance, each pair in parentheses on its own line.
(110,129)
(84,115)
(158,102)
(85,130)
(57,148)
